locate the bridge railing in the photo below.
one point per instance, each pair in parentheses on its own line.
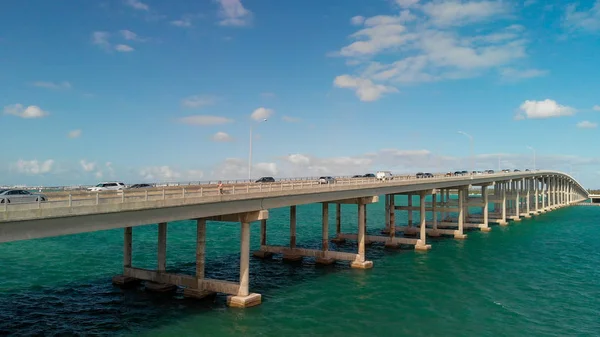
(76,198)
(72,199)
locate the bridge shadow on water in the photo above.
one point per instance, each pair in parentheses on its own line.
(99,308)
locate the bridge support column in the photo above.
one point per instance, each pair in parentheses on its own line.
(484,195)
(435,232)
(261,254)
(338,224)
(503,187)
(386,230)
(422,242)
(459,234)
(391,243)
(360,262)
(290,255)
(122,280)
(323,259)
(410,213)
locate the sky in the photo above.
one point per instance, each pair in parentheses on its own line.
(156,91)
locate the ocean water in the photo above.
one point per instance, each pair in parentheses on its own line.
(536,277)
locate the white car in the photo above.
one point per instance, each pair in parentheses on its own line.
(384,175)
(107,186)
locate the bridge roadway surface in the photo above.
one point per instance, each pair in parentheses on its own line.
(98,211)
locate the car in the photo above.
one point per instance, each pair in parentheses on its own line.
(107,186)
(464,173)
(458,173)
(140,186)
(420,175)
(527,170)
(449,174)
(427,175)
(16,196)
(357,176)
(266,180)
(506,171)
(517,170)
(369,175)
(384,175)
(489,171)
(326,180)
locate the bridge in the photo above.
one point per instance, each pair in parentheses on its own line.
(513,196)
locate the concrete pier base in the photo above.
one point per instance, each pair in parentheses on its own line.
(159,287)
(485,229)
(291,257)
(458,235)
(125,281)
(324,260)
(262,254)
(362,264)
(422,247)
(244,301)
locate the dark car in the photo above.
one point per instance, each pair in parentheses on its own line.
(266,180)
(427,175)
(517,170)
(489,171)
(527,170)
(464,173)
(357,176)
(458,173)
(420,175)
(140,186)
(369,175)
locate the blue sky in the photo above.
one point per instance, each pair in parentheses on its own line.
(142,90)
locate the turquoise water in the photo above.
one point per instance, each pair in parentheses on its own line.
(537,277)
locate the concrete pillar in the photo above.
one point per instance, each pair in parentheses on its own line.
(127,247)
(503,205)
(291,256)
(387,214)
(338,219)
(447,202)
(410,213)
(434,215)
(536,193)
(517,199)
(293,226)
(459,234)
(361,262)
(244,260)
(263,232)
(200,247)
(162,247)
(392,201)
(422,242)
(325,237)
(485,211)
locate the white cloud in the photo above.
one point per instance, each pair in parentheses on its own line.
(34,167)
(136,4)
(588,20)
(124,48)
(183,22)
(87,166)
(429,43)
(357,20)
(596,108)
(222,137)
(290,119)
(511,74)
(198,101)
(543,109)
(131,36)
(101,39)
(364,88)
(234,13)
(74,133)
(458,13)
(159,173)
(29,112)
(235,168)
(205,120)
(52,85)
(406,3)
(261,113)
(587,125)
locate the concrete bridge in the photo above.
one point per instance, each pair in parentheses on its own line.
(513,195)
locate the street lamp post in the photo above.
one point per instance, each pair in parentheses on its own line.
(532,149)
(472,157)
(250,152)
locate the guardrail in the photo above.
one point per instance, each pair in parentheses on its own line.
(153,194)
